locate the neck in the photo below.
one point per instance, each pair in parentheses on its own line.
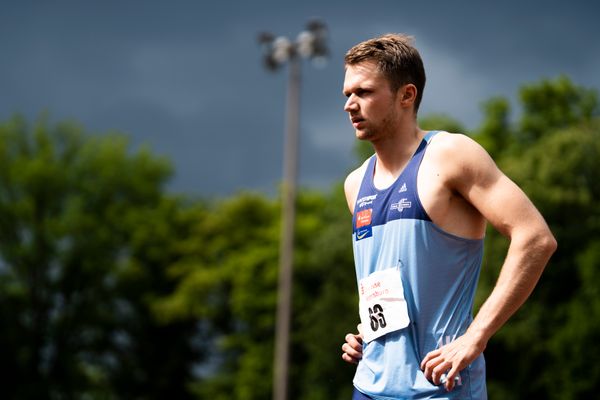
(394,151)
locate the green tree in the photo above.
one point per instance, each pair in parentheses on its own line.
(85,236)
(553,104)
(495,132)
(326,301)
(228,281)
(547,349)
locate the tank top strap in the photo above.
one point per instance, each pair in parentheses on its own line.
(366,184)
(430,135)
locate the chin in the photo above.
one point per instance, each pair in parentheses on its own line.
(361,135)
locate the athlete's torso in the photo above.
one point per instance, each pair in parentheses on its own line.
(439,273)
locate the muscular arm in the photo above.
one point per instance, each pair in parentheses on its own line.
(473,175)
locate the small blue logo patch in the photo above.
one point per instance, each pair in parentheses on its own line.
(364,232)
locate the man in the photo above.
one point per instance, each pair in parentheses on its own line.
(420,206)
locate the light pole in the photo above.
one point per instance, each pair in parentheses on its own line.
(311,44)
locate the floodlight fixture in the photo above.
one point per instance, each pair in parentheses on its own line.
(309,44)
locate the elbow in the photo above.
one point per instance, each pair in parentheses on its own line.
(539,244)
(553,245)
(547,243)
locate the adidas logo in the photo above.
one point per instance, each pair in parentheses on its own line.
(403,188)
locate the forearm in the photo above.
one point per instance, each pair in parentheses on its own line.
(522,268)
(524,263)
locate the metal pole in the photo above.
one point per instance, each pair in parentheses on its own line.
(286,254)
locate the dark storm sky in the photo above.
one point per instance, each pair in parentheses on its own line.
(185,77)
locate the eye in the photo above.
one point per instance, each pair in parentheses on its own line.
(362,92)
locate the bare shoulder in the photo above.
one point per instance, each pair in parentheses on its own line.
(462,159)
(352,184)
(469,183)
(457,146)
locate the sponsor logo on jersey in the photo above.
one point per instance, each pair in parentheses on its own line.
(401,205)
(363,218)
(363,233)
(363,224)
(366,200)
(403,188)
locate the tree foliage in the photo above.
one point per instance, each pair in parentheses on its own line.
(553,154)
(228,280)
(85,233)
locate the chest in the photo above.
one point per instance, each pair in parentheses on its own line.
(376,207)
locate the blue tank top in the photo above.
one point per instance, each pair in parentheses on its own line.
(439,273)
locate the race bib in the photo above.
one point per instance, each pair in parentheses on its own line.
(382,306)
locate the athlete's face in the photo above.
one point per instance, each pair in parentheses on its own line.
(371,104)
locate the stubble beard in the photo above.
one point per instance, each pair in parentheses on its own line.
(385,128)
(376,133)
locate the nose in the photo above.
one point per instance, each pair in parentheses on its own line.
(350,104)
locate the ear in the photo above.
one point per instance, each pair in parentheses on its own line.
(407,95)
